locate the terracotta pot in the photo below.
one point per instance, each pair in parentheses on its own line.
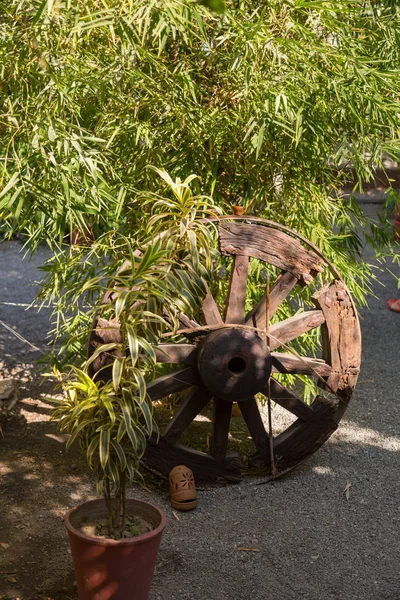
(117,569)
(238,211)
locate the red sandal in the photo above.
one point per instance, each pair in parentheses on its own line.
(394,304)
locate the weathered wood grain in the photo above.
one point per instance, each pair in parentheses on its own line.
(104,332)
(303,438)
(186,322)
(251,415)
(191,406)
(283,284)
(173,382)
(291,364)
(341,337)
(221,419)
(270,245)
(108,331)
(210,309)
(288,400)
(293,327)
(207,471)
(237,290)
(180,354)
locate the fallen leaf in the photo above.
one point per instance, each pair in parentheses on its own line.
(11,579)
(249,549)
(4,545)
(346,490)
(177,517)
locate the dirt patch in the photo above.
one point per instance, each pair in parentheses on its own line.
(38,484)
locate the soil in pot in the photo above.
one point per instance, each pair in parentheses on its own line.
(135,525)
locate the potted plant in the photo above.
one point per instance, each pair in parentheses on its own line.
(114,541)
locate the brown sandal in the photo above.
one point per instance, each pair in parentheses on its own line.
(183,489)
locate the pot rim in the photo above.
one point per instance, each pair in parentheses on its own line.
(139,539)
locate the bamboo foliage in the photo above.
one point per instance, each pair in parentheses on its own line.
(268,104)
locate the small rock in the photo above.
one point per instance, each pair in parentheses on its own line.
(8,394)
(7,388)
(127,534)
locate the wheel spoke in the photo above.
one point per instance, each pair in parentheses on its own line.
(289,363)
(237,290)
(288,400)
(210,309)
(251,415)
(186,322)
(180,354)
(284,283)
(173,382)
(221,420)
(191,406)
(293,327)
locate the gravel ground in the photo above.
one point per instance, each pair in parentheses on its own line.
(300,537)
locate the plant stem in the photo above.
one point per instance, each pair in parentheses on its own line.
(123,497)
(107,497)
(116,512)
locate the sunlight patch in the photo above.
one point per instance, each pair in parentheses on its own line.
(369,437)
(322,470)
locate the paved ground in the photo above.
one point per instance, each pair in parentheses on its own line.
(308,541)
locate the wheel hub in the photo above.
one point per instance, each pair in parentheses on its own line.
(234,364)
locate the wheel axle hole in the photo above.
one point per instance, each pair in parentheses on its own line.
(237,365)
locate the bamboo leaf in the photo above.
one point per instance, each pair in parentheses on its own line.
(120,453)
(117,371)
(101,350)
(110,409)
(14,178)
(77,430)
(147,413)
(83,406)
(93,446)
(141,384)
(104,447)
(133,343)
(128,427)
(122,298)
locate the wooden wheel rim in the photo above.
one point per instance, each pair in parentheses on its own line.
(335,314)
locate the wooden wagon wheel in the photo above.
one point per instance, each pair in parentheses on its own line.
(229,358)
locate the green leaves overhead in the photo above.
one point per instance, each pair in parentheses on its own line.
(245,97)
(217,6)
